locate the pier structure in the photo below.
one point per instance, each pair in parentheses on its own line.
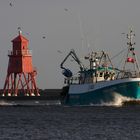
(20,79)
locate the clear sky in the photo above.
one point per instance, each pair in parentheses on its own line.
(82,25)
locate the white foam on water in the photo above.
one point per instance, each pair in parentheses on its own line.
(29,103)
(4,103)
(118,100)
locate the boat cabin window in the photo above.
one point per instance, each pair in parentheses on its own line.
(101,74)
(96,75)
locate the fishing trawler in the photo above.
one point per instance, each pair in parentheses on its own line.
(102,82)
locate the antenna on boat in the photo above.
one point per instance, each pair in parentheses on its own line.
(81,30)
(83,35)
(131,56)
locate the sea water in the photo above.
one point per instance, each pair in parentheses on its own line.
(57,122)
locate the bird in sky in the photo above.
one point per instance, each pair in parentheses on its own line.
(43,37)
(59,51)
(66,9)
(11,4)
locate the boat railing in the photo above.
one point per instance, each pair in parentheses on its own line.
(128,74)
(82,80)
(78,80)
(72,80)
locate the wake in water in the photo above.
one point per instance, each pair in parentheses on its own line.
(4,103)
(119,100)
(29,103)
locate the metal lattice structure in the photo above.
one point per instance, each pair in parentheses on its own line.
(20,79)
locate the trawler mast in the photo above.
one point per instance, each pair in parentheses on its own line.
(131,56)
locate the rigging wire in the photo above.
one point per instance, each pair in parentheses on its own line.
(122,59)
(119,53)
(120,62)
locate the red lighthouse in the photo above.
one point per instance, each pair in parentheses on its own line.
(20,77)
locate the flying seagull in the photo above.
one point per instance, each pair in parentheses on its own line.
(11,4)
(59,51)
(66,9)
(44,37)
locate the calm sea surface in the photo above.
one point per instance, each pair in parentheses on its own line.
(55,122)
